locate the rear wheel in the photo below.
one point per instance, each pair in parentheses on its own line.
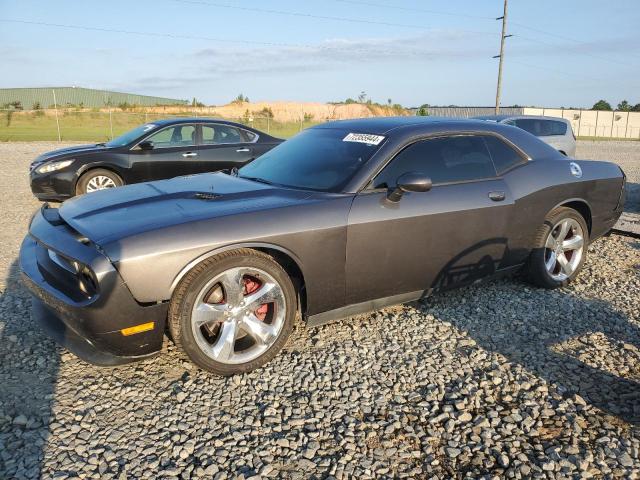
(233,312)
(97,179)
(560,249)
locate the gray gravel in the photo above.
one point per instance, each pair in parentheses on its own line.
(502,380)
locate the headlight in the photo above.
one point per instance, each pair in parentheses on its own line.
(53,166)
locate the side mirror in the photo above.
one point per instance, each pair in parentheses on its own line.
(409,182)
(146,145)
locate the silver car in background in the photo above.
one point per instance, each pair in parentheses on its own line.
(557,132)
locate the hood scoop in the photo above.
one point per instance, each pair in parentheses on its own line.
(206,195)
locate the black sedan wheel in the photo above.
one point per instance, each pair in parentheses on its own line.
(560,249)
(233,312)
(97,179)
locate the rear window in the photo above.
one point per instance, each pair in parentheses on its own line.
(540,127)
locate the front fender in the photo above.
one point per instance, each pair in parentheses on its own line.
(226,248)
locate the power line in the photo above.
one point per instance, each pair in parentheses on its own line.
(253,43)
(561,72)
(562,37)
(542,42)
(150,34)
(518,24)
(320,47)
(407,9)
(318,17)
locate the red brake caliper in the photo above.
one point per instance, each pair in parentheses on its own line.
(250,286)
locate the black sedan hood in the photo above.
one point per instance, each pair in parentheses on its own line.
(109,215)
(65,152)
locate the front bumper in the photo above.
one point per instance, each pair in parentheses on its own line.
(88,322)
(58,185)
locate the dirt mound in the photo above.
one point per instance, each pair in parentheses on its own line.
(291,111)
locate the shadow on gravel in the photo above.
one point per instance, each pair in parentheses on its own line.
(559,336)
(29,364)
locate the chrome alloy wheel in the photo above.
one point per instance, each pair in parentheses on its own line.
(238,315)
(100,182)
(563,249)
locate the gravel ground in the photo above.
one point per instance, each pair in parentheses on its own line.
(491,381)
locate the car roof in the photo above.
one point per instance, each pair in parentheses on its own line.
(493,118)
(184,120)
(384,125)
(500,118)
(177,121)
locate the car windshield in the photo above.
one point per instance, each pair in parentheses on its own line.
(131,135)
(321,159)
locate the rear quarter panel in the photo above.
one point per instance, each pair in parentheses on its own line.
(541,185)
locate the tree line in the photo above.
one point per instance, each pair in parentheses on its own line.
(623,106)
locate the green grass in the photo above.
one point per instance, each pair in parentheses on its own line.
(599,139)
(96,127)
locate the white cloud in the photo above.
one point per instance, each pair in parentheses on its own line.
(225,62)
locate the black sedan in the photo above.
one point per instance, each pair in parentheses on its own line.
(344,218)
(153,151)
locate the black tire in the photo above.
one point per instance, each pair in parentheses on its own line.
(185,296)
(536,270)
(81,186)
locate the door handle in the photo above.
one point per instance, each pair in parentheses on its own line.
(497,196)
(189,154)
(243,149)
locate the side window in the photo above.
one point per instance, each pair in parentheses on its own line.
(558,128)
(250,136)
(444,160)
(176,136)
(542,128)
(530,125)
(503,155)
(220,134)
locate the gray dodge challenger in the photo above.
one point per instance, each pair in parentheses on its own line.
(346,217)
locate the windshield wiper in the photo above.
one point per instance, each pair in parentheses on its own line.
(257,179)
(101,144)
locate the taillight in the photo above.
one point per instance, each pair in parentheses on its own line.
(621,198)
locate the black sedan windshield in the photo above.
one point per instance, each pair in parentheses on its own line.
(131,135)
(316,159)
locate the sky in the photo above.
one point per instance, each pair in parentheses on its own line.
(562,54)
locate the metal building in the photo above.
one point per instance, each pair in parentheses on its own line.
(29,98)
(466,112)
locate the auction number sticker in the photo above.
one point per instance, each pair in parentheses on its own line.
(363,138)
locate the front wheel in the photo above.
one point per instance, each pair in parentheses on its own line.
(98,179)
(234,312)
(560,249)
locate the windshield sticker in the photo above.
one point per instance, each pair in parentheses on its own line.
(148,126)
(363,138)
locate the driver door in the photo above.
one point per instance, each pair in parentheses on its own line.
(451,235)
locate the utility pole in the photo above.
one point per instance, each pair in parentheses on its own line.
(501,56)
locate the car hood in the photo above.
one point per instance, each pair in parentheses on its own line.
(64,152)
(110,215)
